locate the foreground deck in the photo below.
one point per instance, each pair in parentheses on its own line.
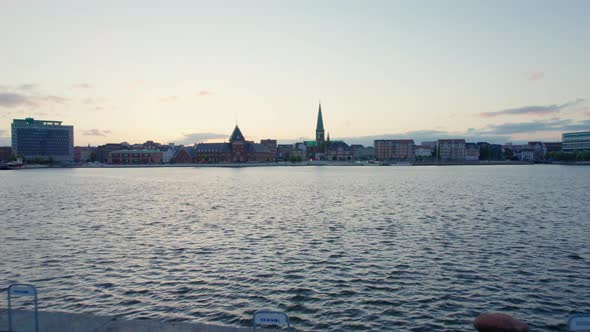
(65,322)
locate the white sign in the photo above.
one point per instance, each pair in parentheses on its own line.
(270,318)
(22,290)
(579,323)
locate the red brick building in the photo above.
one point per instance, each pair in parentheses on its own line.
(184,155)
(5,152)
(238,150)
(395,149)
(135,157)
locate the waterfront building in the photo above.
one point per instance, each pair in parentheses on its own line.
(496,152)
(83,153)
(423,152)
(284,151)
(394,149)
(135,157)
(471,151)
(451,149)
(578,141)
(151,145)
(238,150)
(552,147)
(270,144)
(525,154)
(168,152)
(431,144)
(184,155)
(360,152)
(102,151)
(5,153)
(486,153)
(43,139)
(337,150)
(538,149)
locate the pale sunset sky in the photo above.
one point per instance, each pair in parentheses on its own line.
(187,71)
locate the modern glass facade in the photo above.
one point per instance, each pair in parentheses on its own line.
(579,141)
(43,139)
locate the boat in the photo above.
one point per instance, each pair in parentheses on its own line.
(12,165)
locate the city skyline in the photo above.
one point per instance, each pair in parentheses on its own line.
(498,72)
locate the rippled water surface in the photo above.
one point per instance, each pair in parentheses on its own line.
(337,248)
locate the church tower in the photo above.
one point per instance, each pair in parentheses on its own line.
(237,144)
(319,129)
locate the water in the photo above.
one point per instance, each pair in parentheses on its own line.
(337,248)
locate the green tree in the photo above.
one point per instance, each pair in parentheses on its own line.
(484,152)
(508,154)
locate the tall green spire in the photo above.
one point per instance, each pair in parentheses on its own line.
(320,124)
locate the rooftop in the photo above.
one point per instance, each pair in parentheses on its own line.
(31,121)
(136,151)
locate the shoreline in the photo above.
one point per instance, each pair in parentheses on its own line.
(310,163)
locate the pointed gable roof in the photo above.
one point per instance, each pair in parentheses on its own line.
(320,124)
(237,135)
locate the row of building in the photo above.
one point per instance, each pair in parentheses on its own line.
(36,140)
(460,150)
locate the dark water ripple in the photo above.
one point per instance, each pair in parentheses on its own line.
(354,249)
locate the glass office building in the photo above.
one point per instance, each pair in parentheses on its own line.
(579,141)
(43,139)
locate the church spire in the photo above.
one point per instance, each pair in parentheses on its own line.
(319,129)
(320,124)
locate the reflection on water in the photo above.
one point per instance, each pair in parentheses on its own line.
(337,248)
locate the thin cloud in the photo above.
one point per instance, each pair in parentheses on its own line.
(54,99)
(204,93)
(95,132)
(535,75)
(534,110)
(93,101)
(4,139)
(536,126)
(82,86)
(471,135)
(27,87)
(169,99)
(12,100)
(193,138)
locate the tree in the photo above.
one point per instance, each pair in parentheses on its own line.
(484,152)
(508,154)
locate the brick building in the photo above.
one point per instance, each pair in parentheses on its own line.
(451,149)
(238,150)
(5,152)
(135,157)
(395,149)
(471,151)
(184,155)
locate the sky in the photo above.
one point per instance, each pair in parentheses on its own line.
(188,71)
